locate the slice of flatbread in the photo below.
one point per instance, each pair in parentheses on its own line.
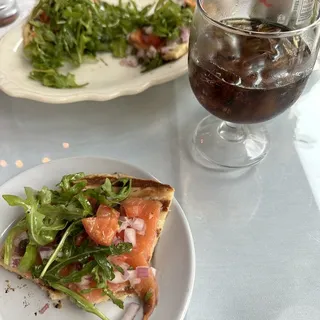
(144,189)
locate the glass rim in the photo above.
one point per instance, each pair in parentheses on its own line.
(281,34)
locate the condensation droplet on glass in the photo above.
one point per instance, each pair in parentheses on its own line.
(65,145)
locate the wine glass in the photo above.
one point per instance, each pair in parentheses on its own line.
(8,12)
(248,62)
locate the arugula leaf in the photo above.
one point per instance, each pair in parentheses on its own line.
(119,249)
(148,295)
(151,64)
(115,300)
(60,245)
(66,182)
(15,201)
(79,300)
(104,265)
(20,227)
(113,197)
(68,213)
(45,196)
(75,276)
(52,78)
(109,193)
(118,47)
(29,258)
(33,217)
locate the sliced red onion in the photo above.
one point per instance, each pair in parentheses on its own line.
(131,311)
(142,272)
(133,278)
(138,224)
(148,30)
(45,252)
(15,262)
(167,49)
(123,218)
(121,278)
(130,236)
(126,275)
(44,308)
(124,266)
(116,241)
(130,61)
(184,34)
(85,282)
(152,52)
(19,238)
(118,278)
(125,223)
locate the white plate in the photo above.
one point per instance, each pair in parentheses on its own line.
(105,82)
(174,256)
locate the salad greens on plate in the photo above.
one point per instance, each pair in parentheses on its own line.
(75,31)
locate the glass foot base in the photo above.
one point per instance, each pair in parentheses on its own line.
(221,144)
(8,13)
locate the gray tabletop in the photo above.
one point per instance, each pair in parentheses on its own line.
(256,233)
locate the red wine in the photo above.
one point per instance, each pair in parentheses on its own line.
(245,79)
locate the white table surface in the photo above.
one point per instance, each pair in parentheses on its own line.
(257,235)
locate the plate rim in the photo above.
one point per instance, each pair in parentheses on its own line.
(17,90)
(191,279)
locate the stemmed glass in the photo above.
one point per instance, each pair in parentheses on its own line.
(8,12)
(246,66)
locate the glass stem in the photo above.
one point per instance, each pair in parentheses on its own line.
(232,132)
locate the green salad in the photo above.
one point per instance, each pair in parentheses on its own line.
(74,31)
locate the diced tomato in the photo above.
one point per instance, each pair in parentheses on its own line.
(152,40)
(103,228)
(144,41)
(44,17)
(136,39)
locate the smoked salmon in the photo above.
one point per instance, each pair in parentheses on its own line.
(102,228)
(101,231)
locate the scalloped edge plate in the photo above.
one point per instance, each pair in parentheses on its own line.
(107,78)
